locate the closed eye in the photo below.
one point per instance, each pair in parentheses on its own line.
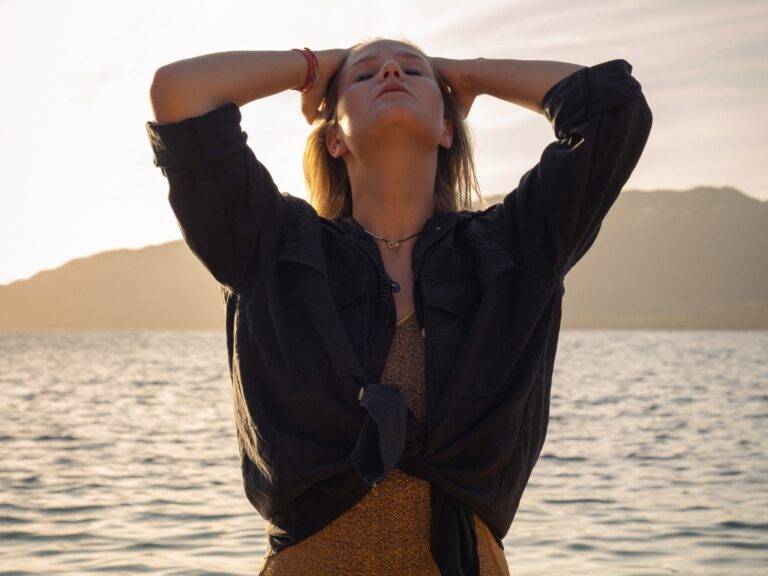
(366,75)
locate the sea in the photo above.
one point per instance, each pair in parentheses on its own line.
(118,456)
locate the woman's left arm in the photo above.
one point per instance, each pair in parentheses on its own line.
(521,82)
(601,122)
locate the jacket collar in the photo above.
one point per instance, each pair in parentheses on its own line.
(436,226)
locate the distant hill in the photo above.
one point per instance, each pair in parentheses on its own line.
(663,259)
(693,259)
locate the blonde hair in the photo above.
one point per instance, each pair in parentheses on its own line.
(327,179)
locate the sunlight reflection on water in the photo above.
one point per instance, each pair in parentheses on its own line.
(118,454)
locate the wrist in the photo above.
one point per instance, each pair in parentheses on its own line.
(470,75)
(312,75)
(300,69)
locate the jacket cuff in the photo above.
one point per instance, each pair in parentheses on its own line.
(198,139)
(587,92)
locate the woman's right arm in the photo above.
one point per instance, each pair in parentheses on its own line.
(228,208)
(194,86)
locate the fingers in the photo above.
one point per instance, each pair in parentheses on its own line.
(307,108)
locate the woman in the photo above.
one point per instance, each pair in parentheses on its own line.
(443,318)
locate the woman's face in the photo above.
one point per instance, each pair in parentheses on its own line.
(365,114)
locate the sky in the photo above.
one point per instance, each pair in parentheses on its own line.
(76,171)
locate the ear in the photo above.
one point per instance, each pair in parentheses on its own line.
(333,141)
(447,138)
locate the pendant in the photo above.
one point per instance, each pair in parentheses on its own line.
(393,244)
(395,286)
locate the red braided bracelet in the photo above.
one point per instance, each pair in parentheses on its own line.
(313,70)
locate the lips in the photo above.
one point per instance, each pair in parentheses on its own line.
(392,87)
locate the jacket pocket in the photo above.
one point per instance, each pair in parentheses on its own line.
(451,306)
(349,292)
(506,331)
(301,274)
(348,289)
(456,298)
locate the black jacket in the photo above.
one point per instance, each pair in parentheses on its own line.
(310,318)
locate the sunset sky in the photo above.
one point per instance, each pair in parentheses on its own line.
(76,172)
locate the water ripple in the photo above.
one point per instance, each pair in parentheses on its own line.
(119,456)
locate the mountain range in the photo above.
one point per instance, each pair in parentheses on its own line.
(694,259)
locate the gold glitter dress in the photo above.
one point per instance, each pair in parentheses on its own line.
(387,532)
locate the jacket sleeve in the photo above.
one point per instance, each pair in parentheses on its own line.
(601,122)
(228,208)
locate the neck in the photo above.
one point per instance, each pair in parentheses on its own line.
(393,191)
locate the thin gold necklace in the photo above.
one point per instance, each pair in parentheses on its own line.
(395,285)
(391,243)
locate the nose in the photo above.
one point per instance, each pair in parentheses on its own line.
(391,68)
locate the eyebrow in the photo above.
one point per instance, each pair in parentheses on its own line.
(409,55)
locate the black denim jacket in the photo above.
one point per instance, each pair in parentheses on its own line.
(310,318)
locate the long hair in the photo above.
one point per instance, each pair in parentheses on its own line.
(327,179)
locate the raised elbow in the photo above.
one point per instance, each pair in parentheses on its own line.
(166,99)
(160,86)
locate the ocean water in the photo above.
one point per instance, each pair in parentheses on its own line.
(118,455)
